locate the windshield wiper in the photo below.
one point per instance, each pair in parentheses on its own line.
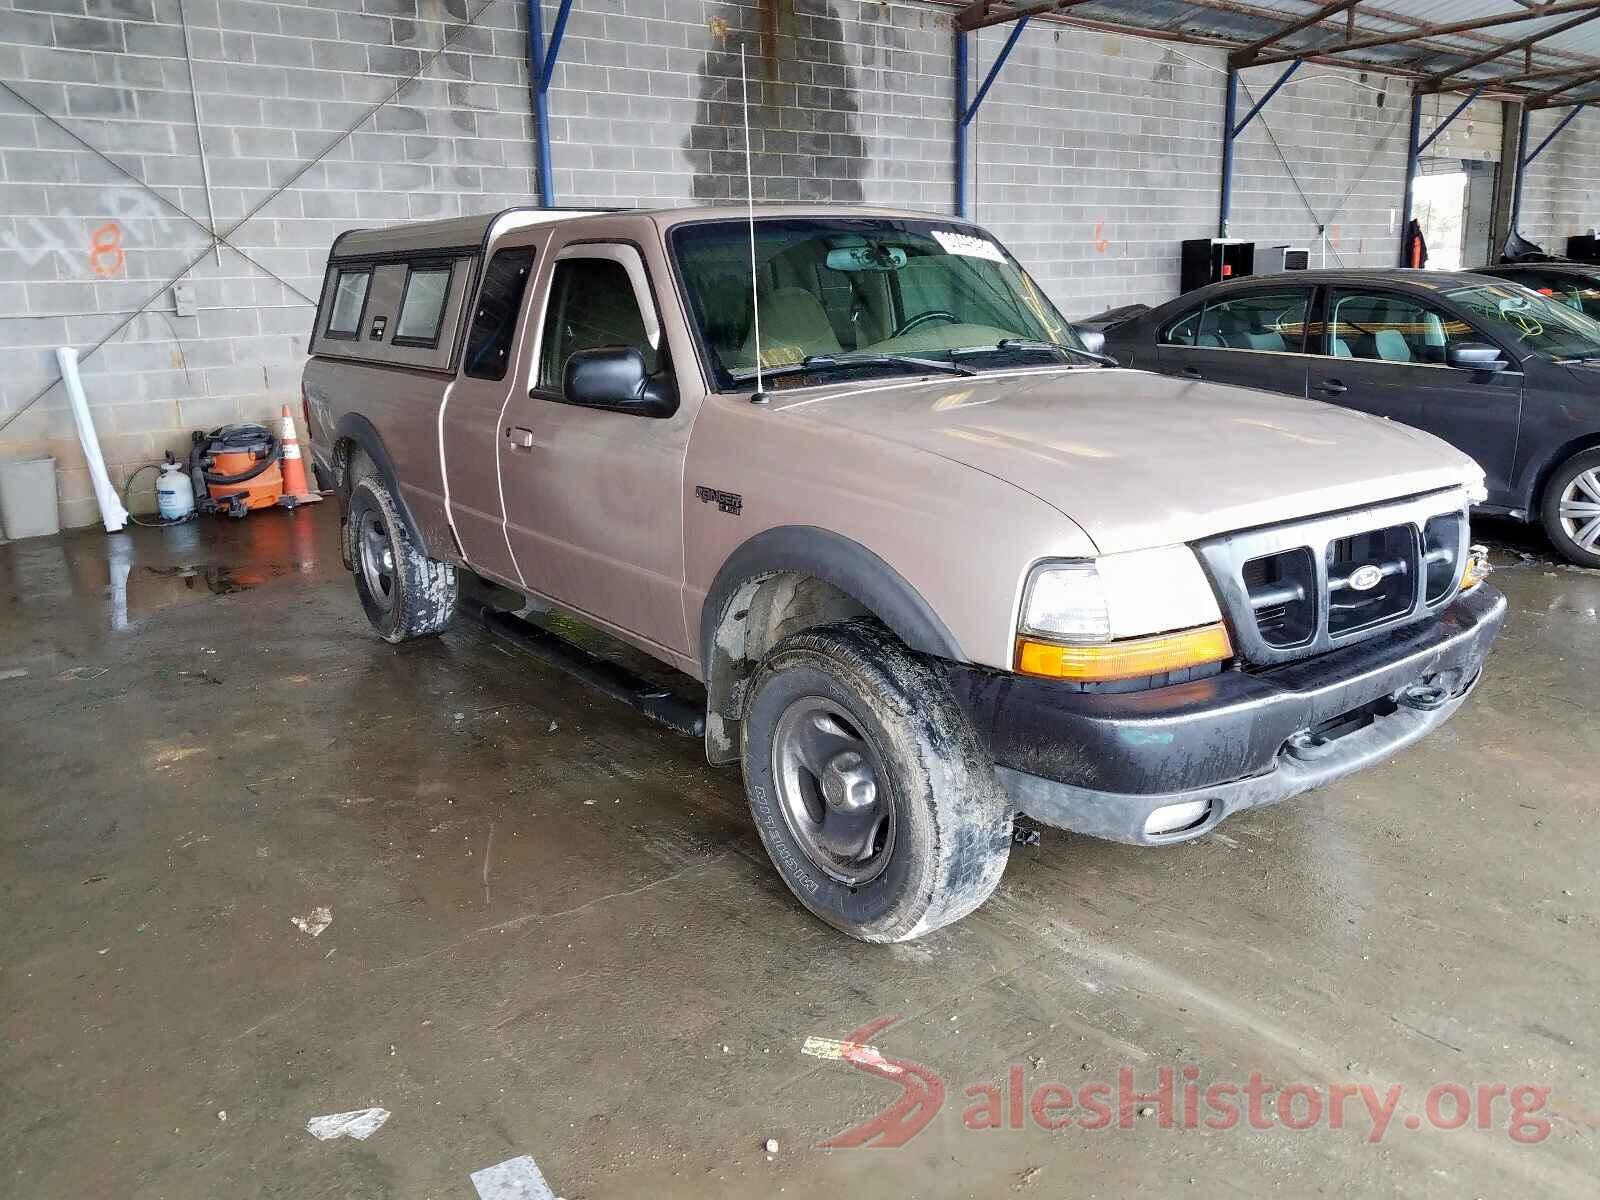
(1104,360)
(846,362)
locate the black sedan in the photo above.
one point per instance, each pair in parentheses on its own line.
(1505,374)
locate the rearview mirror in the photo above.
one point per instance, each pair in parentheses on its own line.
(1094,340)
(615,377)
(1476,356)
(866,258)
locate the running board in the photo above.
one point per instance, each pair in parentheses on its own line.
(615,680)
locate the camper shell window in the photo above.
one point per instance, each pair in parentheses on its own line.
(422,306)
(349,303)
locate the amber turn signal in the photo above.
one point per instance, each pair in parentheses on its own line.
(1477,568)
(1131,658)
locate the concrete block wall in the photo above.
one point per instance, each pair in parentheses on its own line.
(1561,194)
(1094,156)
(86,240)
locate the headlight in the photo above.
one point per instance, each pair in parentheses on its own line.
(1093,620)
(1067,601)
(1476,569)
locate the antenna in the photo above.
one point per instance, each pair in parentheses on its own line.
(750,206)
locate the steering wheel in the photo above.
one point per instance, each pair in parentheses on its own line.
(933,314)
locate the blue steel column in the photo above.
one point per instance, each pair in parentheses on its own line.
(966,112)
(961,123)
(1230,117)
(541,69)
(539,98)
(1412,153)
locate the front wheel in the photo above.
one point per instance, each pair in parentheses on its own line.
(405,593)
(870,790)
(1571,510)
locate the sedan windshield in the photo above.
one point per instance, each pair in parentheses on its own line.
(1531,321)
(862,296)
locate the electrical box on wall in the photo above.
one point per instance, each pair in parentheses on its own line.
(183,299)
(1211,260)
(1284,258)
(1584,247)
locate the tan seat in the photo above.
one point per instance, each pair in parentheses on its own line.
(793,326)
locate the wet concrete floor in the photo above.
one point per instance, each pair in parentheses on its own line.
(554,932)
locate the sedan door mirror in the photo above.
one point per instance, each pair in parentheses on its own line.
(1476,356)
(1094,340)
(615,377)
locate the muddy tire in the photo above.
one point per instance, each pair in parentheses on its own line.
(405,593)
(872,794)
(1570,511)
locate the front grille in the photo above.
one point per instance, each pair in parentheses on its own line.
(1283,597)
(1372,578)
(1293,590)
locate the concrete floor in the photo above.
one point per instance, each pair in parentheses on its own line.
(554,931)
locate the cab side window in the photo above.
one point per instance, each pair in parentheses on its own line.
(1262,321)
(494,321)
(1387,327)
(592,305)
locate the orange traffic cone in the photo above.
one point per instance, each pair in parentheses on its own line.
(296,488)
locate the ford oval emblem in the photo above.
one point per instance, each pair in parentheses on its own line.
(1364,579)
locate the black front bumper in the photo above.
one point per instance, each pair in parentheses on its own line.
(1100,764)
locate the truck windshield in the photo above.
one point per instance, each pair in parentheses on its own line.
(867,295)
(1533,322)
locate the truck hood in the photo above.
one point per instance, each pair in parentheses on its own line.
(1139,460)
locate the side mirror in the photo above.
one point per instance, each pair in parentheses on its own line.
(1475,356)
(615,377)
(1094,340)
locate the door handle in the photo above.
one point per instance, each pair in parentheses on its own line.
(1333,387)
(1193,372)
(520,438)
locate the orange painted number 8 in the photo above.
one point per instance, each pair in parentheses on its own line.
(105,251)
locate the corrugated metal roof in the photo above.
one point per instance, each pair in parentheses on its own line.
(1244,21)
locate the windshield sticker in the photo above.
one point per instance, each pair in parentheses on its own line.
(967,246)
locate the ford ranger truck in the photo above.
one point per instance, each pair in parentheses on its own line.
(936,562)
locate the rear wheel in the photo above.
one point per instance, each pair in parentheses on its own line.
(871,792)
(1571,510)
(405,593)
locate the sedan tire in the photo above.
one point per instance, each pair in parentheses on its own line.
(1571,509)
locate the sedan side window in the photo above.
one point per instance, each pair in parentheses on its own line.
(1182,331)
(1274,321)
(1388,327)
(592,305)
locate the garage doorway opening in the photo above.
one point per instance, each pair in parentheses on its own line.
(1454,204)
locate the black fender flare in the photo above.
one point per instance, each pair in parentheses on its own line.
(356,428)
(836,560)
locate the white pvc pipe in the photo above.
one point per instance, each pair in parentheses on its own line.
(112,514)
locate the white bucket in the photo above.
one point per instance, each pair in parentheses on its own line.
(28,497)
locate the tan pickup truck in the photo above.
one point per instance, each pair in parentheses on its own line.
(936,562)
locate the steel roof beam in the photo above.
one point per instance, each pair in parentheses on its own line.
(1245,55)
(1544,99)
(1445,81)
(981,15)
(1558,9)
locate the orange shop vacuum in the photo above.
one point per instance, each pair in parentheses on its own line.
(236,469)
